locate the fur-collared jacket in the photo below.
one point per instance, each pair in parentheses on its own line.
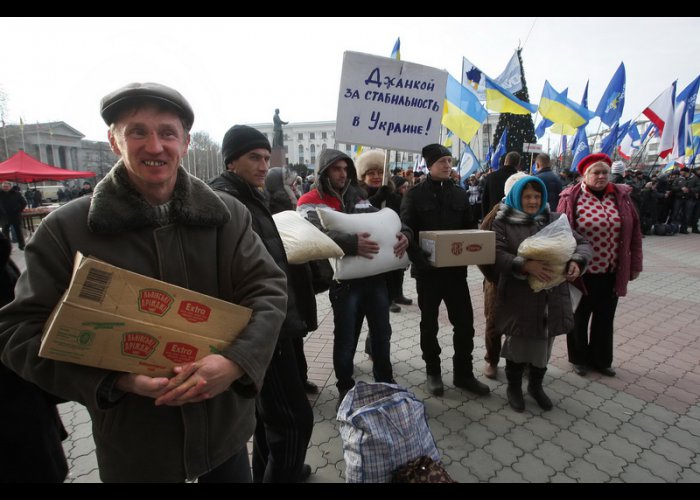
(208,247)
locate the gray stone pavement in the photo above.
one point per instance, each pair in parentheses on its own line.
(641,426)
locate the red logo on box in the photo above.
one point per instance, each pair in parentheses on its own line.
(154,301)
(474,247)
(179,353)
(457,248)
(194,312)
(138,344)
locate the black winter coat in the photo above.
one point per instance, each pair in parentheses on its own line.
(434,206)
(301,301)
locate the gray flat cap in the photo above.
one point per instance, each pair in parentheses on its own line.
(115,101)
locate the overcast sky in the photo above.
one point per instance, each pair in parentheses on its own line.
(240,70)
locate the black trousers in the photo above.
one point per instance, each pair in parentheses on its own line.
(598,308)
(284,420)
(451,287)
(234,470)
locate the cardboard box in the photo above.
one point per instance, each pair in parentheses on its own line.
(459,248)
(120,320)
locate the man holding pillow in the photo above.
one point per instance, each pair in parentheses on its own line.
(336,188)
(438,204)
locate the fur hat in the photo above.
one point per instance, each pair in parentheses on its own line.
(591,159)
(618,167)
(433,152)
(240,139)
(369,160)
(116,101)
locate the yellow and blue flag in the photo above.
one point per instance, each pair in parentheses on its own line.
(613,101)
(695,126)
(396,51)
(560,110)
(500,100)
(463,114)
(448,139)
(683,116)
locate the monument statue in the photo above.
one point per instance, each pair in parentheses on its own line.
(278,137)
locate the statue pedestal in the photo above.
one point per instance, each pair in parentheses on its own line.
(277,157)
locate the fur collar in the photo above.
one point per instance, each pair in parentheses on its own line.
(116,206)
(514,216)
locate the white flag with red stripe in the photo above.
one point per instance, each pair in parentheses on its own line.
(660,112)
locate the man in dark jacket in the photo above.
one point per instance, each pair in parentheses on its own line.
(495,181)
(551,180)
(13,203)
(336,188)
(149,216)
(285,418)
(437,204)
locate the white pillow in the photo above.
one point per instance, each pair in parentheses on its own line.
(382,226)
(302,240)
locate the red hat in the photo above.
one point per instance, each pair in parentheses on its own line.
(591,159)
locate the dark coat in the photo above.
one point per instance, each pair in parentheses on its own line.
(31,430)
(208,247)
(521,312)
(495,186)
(301,302)
(553,184)
(434,206)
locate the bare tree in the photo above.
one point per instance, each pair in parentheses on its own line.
(204,156)
(3,113)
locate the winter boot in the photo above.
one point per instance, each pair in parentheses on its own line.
(534,387)
(514,374)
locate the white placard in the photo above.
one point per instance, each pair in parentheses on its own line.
(388,103)
(532,148)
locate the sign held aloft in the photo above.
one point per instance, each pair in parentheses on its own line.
(388,103)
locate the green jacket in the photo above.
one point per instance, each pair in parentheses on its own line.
(210,248)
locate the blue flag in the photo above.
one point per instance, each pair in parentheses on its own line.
(468,164)
(610,141)
(580,148)
(500,150)
(613,101)
(541,127)
(646,133)
(489,155)
(584,101)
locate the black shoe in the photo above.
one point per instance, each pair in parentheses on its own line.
(471,384)
(404,301)
(310,387)
(539,395)
(696,230)
(580,370)
(434,385)
(305,473)
(341,396)
(395,308)
(683,231)
(515,397)
(608,372)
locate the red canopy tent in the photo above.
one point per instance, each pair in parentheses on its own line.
(24,168)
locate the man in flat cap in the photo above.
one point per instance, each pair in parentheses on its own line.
(149,216)
(438,204)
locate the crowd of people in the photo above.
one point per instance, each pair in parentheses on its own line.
(149,216)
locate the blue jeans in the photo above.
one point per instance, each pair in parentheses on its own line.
(348,298)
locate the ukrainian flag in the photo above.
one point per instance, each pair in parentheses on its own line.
(500,100)
(561,110)
(396,51)
(695,126)
(463,114)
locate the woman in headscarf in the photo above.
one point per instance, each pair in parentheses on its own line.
(530,320)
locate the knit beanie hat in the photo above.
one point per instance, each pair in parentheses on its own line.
(433,152)
(618,167)
(239,140)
